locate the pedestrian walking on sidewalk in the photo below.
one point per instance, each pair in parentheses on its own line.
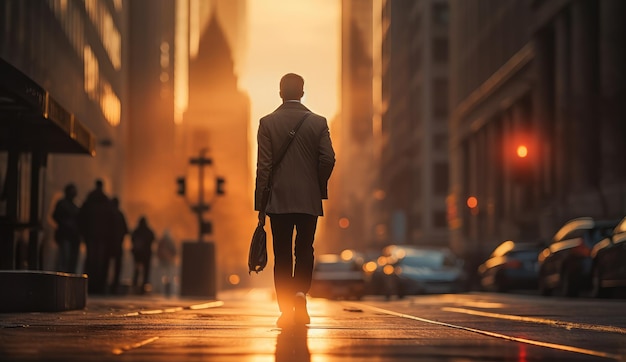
(166,252)
(298,185)
(142,238)
(67,234)
(96,225)
(116,252)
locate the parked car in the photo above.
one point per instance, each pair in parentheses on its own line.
(565,265)
(608,271)
(338,276)
(410,270)
(511,266)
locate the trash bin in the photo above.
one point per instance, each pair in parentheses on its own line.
(198,271)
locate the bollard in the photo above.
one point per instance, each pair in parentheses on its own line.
(198,270)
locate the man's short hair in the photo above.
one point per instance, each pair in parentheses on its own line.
(291,86)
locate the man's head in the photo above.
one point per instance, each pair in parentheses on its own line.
(99,184)
(291,87)
(70,191)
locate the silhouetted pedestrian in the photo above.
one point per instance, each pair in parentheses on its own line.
(67,233)
(298,184)
(142,238)
(166,252)
(120,229)
(96,225)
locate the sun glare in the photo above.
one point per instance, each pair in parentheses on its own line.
(291,37)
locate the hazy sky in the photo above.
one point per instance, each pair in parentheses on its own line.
(287,36)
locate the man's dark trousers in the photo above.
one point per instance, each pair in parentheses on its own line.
(288,279)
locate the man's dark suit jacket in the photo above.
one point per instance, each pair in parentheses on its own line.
(300,181)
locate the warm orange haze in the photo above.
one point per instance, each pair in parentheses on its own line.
(292,37)
(188,79)
(457,192)
(456,124)
(266,40)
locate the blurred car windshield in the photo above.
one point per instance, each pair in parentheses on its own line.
(428,259)
(336,266)
(599,234)
(524,254)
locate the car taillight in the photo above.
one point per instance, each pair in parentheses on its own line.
(513,264)
(581,250)
(388,269)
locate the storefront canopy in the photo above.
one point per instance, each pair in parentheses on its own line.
(31,120)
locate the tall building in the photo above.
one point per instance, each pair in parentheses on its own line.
(413,67)
(536,117)
(73,52)
(183,98)
(218,120)
(348,218)
(150,171)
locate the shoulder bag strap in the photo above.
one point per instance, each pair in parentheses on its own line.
(281,154)
(285,146)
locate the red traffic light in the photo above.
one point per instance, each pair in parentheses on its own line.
(522,151)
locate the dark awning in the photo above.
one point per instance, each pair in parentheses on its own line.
(31,120)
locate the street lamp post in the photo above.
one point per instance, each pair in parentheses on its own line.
(201,207)
(198,269)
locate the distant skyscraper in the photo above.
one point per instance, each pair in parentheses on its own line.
(218,119)
(150,164)
(348,217)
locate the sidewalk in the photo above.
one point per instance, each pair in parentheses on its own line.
(239,327)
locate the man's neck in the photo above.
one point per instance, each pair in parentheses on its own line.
(291,101)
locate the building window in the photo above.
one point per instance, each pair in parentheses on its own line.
(440,50)
(441,179)
(440,98)
(440,142)
(441,15)
(440,219)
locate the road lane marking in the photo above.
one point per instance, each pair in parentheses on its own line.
(214,304)
(149,312)
(556,346)
(128,347)
(217,303)
(484,305)
(551,322)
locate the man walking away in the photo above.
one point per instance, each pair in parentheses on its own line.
(96,225)
(142,238)
(67,234)
(298,185)
(120,229)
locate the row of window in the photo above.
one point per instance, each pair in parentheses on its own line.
(97,88)
(107,31)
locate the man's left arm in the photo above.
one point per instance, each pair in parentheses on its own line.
(326,161)
(263,166)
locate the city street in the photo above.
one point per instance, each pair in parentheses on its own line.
(240,327)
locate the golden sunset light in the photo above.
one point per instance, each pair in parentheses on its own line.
(291,37)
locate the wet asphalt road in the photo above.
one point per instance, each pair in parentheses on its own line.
(240,327)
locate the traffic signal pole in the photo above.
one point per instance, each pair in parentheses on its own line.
(201,207)
(198,268)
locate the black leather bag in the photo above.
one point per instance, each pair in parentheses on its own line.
(257,256)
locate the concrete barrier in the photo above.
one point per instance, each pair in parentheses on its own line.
(41,291)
